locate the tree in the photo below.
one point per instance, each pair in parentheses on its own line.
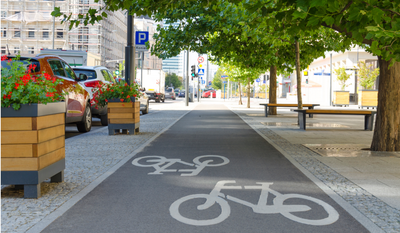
(369,22)
(174,79)
(217,81)
(367,75)
(342,77)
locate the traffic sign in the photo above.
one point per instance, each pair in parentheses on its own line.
(141,37)
(200,59)
(224,81)
(258,80)
(209,82)
(200,72)
(224,76)
(200,65)
(203,82)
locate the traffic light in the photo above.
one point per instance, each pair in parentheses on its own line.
(117,66)
(193,71)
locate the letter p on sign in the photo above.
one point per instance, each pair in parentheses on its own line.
(141,37)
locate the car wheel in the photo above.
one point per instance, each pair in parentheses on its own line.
(86,124)
(147,108)
(163,100)
(104,120)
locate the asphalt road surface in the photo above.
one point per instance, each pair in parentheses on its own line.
(210,172)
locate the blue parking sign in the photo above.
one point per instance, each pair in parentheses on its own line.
(141,37)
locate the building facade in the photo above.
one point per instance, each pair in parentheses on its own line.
(27,27)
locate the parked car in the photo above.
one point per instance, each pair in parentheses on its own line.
(95,74)
(77,101)
(181,93)
(144,99)
(208,94)
(170,93)
(177,92)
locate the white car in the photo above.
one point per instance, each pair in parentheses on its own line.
(95,75)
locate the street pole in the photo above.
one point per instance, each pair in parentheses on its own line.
(54,22)
(141,71)
(187,80)
(130,52)
(330,86)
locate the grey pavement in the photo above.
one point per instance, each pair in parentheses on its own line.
(366,184)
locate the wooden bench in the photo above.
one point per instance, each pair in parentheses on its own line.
(309,106)
(368,115)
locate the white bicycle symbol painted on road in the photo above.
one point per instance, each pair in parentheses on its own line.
(216,196)
(160,164)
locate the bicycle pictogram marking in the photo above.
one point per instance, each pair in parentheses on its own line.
(216,196)
(160,164)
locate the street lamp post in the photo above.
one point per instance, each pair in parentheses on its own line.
(130,52)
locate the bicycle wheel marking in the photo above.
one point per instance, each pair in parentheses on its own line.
(161,164)
(278,206)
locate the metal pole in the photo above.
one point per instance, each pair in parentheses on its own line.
(187,80)
(141,71)
(330,86)
(130,52)
(54,21)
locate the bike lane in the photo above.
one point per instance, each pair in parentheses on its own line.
(210,172)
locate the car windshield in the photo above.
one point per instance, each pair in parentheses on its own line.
(170,90)
(91,74)
(25,61)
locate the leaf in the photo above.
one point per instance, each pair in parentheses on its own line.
(104,14)
(377,15)
(329,20)
(313,21)
(372,28)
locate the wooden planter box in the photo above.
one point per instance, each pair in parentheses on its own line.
(123,116)
(341,98)
(368,98)
(33,146)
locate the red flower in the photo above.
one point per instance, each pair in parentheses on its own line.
(4,96)
(125,84)
(108,89)
(106,100)
(16,86)
(112,90)
(4,57)
(134,95)
(122,100)
(128,96)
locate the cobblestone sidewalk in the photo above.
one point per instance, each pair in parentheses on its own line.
(88,156)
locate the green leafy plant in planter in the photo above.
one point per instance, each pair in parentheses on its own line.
(121,91)
(367,75)
(342,77)
(20,86)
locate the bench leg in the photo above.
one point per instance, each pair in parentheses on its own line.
(368,122)
(266,111)
(311,115)
(302,120)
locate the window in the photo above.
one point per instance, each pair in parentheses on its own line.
(17,32)
(31,33)
(3,14)
(17,12)
(83,39)
(45,33)
(70,73)
(105,75)
(60,34)
(4,32)
(57,67)
(3,50)
(16,50)
(31,50)
(111,76)
(91,74)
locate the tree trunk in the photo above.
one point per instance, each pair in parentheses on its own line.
(298,74)
(272,90)
(387,126)
(248,93)
(240,94)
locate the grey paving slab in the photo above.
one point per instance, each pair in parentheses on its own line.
(141,197)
